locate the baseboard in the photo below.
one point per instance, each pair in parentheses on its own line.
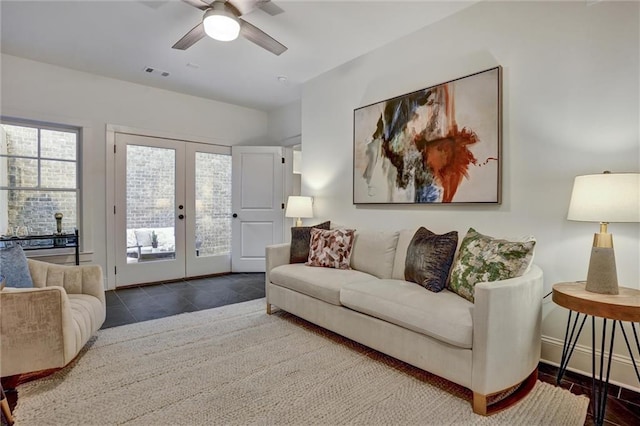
(622,372)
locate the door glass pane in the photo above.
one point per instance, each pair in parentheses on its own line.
(213,204)
(151,189)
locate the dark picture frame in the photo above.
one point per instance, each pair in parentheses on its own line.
(438,145)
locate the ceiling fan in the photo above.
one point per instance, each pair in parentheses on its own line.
(222,21)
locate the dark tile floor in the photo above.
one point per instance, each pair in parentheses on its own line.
(145,302)
(623,405)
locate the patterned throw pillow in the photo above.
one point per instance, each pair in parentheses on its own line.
(300,240)
(429,258)
(331,249)
(14,267)
(483,259)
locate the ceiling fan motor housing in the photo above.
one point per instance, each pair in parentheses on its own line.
(221,21)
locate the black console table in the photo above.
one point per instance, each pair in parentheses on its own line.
(48,242)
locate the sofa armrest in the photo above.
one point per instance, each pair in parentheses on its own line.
(36,330)
(277,254)
(507,319)
(84,279)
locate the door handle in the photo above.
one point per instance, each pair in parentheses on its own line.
(235,215)
(180,216)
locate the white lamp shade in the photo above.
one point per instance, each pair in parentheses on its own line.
(606,197)
(298,206)
(221,25)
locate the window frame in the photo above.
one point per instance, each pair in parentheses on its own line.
(44,125)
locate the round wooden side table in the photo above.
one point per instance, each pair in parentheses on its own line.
(615,309)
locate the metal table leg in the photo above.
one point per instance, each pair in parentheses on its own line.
(569,342)
(600,385)
(626,340)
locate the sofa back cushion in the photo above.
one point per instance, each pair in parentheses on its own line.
(374,252)
(404,239)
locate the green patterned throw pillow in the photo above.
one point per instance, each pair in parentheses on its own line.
(483,259)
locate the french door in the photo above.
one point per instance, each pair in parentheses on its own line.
(172,209)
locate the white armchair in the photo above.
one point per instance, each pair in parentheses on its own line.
(45,327)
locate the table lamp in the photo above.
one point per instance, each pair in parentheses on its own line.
(607,197)
(299,207)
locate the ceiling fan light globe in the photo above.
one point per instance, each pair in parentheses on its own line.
(221,25)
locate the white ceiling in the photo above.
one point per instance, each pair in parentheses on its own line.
(119,39)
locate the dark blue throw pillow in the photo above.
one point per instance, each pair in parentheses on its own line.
(14,267)
(429,258)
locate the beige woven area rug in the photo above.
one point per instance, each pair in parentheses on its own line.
(236,365)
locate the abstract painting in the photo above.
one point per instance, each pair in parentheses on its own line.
(441,144)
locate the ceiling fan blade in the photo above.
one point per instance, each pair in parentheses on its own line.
(262,39)
(248,6)
(190,38)
(270,7)
(200,4)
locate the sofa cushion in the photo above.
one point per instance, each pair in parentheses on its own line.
(320,283)
(300,241)
(443,316)
(14,267)
(373,252)
(331,248)
(404,239)
(429,258)
(485,259)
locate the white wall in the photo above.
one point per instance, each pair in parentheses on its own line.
(39,91)
(571,107)
(285,124)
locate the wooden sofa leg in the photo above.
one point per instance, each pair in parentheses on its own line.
(480,401)
(268,308)
(480,404)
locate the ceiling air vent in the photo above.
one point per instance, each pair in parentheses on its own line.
(152,70)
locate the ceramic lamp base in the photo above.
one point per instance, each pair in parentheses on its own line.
(602,276)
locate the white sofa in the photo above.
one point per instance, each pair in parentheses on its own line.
(488,346)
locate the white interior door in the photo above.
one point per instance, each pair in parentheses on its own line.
(257,205)
(149,210)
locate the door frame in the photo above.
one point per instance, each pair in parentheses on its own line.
(110,201)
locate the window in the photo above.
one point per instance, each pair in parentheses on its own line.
(39,177)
